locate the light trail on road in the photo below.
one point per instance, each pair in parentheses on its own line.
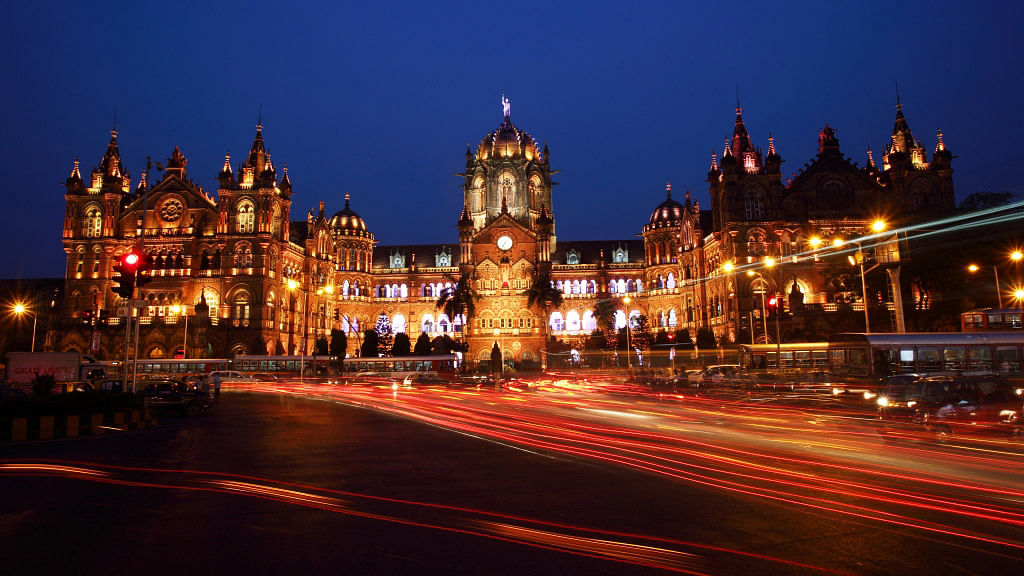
(824,460)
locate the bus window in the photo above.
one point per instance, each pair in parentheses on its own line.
(954,358)
(907,360)
(770,360)
(787,359)
(885,361)
(1008,360)
(995,320)
(980,357)
(1013,320)
(928,360)
(819,358)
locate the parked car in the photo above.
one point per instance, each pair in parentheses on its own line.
(950,404)
(173,395)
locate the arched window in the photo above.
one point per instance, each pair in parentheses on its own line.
(575,286)
(443,324)
(344,288)
(671,283)
(96,253)
(620,319)
(403,291)
(622,286)
(629,286)
(633,316)
(92,223)
(275,223)
(589,322)
(398,323)
(572,321)
(556,322)
(572,257)
(240,309)
(612,287)
(752,205)
(245,217)
(427,323)
(662,320)
(661,282)
(672,319)
(639,286)
(80,265)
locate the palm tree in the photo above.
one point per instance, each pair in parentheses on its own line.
(542,294)
(459,299)
(604,316)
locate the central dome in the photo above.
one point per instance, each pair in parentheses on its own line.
(508,141)
(347,220)
(667,212)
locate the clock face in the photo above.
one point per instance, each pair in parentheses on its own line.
(504,243)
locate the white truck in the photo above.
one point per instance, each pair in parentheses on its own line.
(23,367)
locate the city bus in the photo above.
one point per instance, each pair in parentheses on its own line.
(177,368)
(992,319)
(405,369)
(311,366)
(865,359)
(795,355)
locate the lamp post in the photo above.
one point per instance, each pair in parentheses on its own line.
(20,309)
(629,338)
(769,262)
(1015,256)
(291,285)
(764,309)
(183,310)
(859,261)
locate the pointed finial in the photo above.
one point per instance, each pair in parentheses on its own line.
(227,162)
(899,104)
(714,159)
(738,108)
(771,144)
(941,145)
(668,190)
(321,207)
(347,196)
(74,171)
(259,117)
(728,149)
(871,158)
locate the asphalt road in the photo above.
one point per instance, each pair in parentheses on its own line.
(288,483)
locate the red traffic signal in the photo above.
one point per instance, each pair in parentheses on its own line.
(773,302)
(130,262)
(125,273)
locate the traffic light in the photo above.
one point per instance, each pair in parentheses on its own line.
(125,272)
(143,275)
(773,305)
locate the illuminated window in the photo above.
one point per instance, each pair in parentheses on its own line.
(81,260)
(557,323)
(427,323)
(620,256)
(245,217)
(92,224)
(671,283)
(572,258)
(752,206)
(572,320)
(589,323)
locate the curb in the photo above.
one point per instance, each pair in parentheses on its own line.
(73,426)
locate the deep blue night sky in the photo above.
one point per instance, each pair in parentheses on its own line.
(380,100)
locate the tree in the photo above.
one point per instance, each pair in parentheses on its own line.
(641,333)
(339,344)
(321,346)
(542,295)
(402,345)
(369,347)
(423,345)
(982,200)
(383,330)
(604,316)
(706,339)
(459,299)
(683,338)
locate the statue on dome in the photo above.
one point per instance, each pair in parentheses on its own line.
(505,106)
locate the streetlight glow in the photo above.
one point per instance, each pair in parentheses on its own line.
(878,225)
(815,241)
(972,267)
(1016,255)
(769,261)
(838,242)
(19,309)
(292,284)
(727,266)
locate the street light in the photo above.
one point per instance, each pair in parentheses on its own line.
(19,310)
(1015,256)
(859,261)
(770,262)
(764,310)
(629,338)
(183,310)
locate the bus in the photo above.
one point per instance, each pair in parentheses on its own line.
(408,369)
(795,355)
(992,319)
(869,358)
(311,366)
(177,368)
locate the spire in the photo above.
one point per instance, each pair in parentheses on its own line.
(226,170)
(110,165)
(74,181)
(668,190)
(687,199)
(544,219)
(286,182)
(728,149)
(941,146)
(464,219)
(258,152)
(143,182)
(771,145)
(714,160)
(871,158)
(347,197)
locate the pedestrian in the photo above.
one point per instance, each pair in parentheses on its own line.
(216,386)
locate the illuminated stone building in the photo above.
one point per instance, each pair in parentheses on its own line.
(251,279)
